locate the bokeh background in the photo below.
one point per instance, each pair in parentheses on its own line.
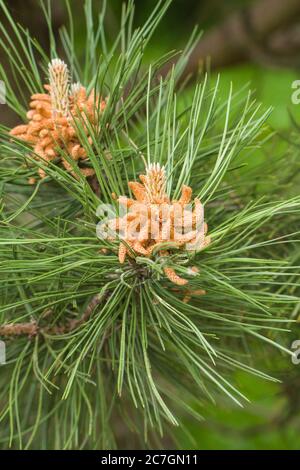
(255,42)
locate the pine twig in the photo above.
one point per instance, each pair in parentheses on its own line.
(32,328)
(19,329)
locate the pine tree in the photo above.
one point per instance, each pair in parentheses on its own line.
(111,339)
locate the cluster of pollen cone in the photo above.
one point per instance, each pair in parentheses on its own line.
(53,119)
(151,219)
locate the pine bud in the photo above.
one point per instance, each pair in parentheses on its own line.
(59,83)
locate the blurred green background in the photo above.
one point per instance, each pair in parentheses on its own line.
(263,49)
(268,60)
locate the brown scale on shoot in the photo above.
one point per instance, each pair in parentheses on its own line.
(152,218)
(53,119)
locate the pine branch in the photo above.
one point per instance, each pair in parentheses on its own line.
(153,348)
(32,328)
